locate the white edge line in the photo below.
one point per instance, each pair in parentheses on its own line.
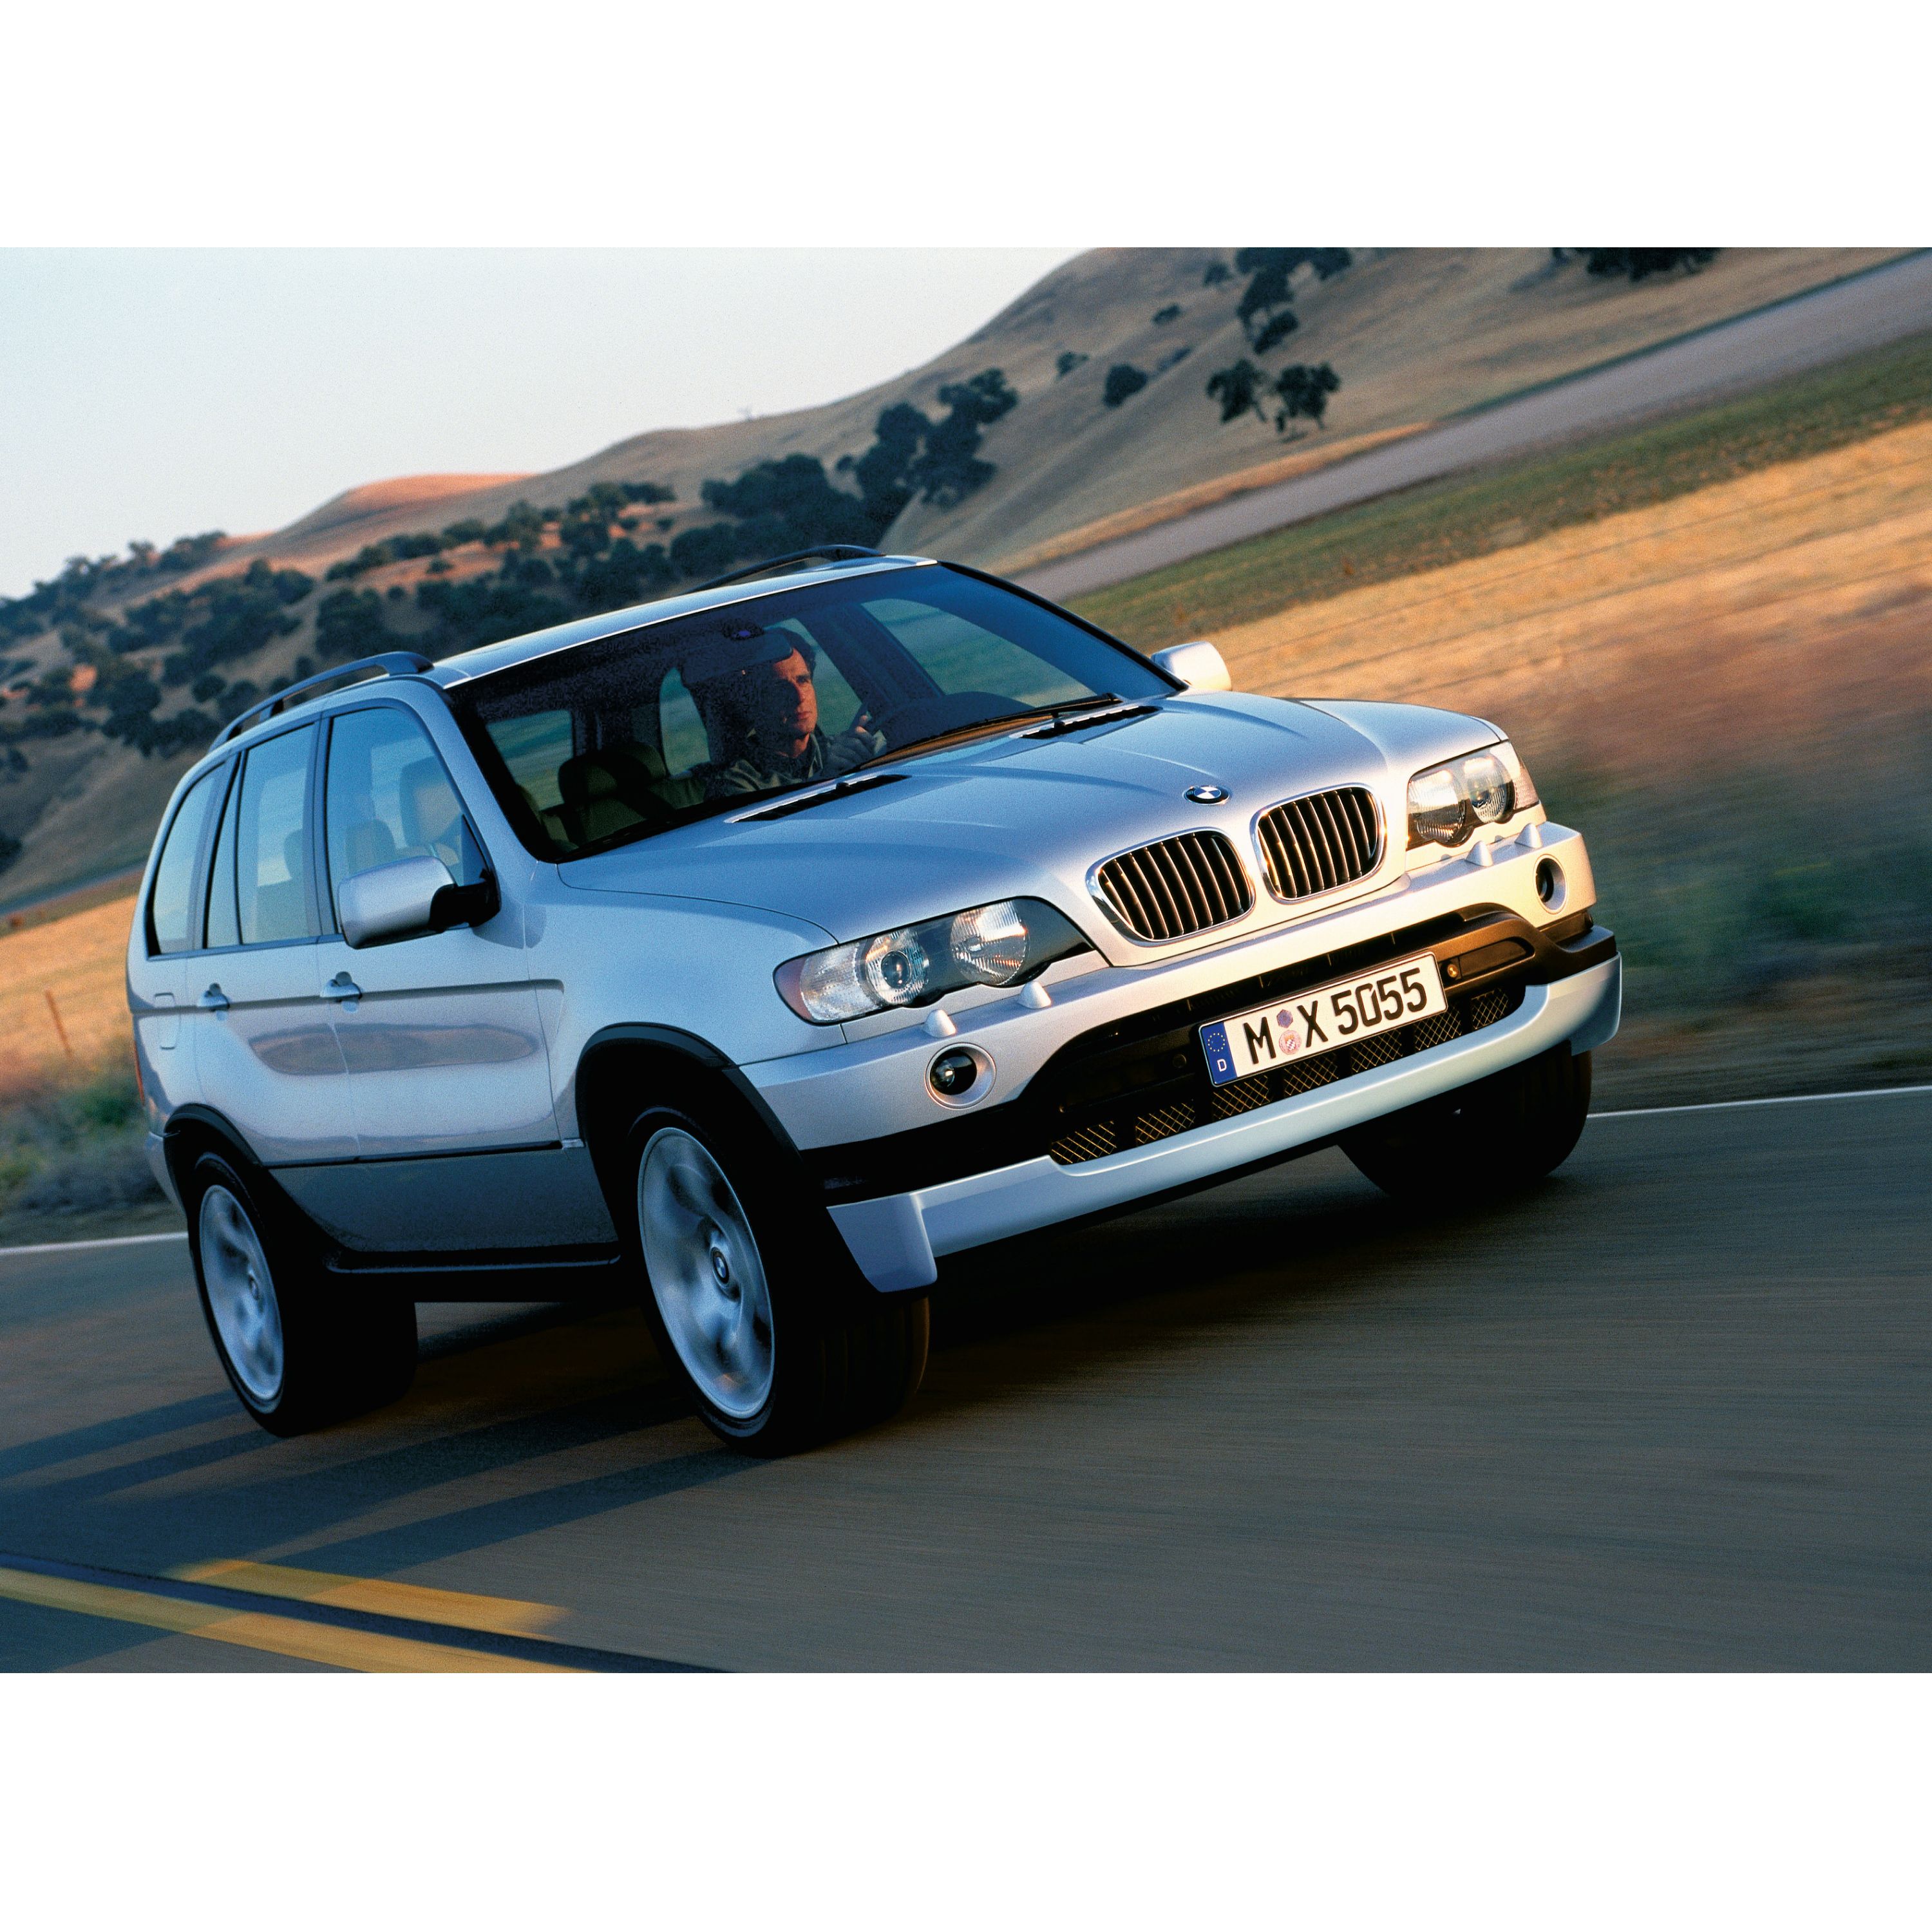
(1618,1114)
(1775,1100)
(106,1241)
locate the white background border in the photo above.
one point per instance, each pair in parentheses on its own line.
(1176,1801)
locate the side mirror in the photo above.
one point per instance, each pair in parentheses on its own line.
(1198,665)
(410,898)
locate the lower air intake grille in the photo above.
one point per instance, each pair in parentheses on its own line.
(1127,1128)
(1179,886)
(1315,843)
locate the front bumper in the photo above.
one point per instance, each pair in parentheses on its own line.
(895,1239)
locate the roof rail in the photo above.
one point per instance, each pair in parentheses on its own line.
(830,552)
(384,664)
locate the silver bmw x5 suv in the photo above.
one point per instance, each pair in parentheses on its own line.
(749,952)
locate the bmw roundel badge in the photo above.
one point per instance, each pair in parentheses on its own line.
(1208,794)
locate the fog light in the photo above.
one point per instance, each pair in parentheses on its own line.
(1550,882)
(960,1075)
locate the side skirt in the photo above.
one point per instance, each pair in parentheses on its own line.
(550,1274)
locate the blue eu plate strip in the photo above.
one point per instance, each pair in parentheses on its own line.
(1220,1061)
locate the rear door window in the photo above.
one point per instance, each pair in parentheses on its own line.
(272,886)
(171,906)
(224,927)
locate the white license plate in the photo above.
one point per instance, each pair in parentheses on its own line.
(1322,1019)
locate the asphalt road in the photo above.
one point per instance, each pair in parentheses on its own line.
(1674,1410)
(1862,312)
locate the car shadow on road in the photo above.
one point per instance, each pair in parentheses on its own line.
(526,1419)
(1290,1243)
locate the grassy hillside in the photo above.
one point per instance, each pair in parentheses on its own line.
(1417,334)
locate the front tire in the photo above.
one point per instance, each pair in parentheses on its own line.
(299,1351)
(757,1308)
(1492,1138)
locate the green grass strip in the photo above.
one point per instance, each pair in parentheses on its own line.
(1495,508)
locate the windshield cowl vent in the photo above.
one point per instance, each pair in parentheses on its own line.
(1174,887)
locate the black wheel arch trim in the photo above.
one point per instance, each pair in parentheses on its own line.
(701,1053)
(705,1060)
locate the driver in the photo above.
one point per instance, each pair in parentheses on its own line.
(763,721)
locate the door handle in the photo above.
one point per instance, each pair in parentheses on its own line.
(214,1000)
(342,988)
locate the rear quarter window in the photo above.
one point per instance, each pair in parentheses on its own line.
(171,905)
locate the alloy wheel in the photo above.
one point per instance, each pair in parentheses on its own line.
(242,1294)
(705,1272)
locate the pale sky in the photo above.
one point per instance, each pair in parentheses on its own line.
(156,393)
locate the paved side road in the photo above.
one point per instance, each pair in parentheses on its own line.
(1672,1411)
(1862,312)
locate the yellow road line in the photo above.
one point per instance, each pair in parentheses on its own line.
(285,1636)
(503,1615)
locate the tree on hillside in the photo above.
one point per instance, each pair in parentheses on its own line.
(1300,391)
(1303,391)
(787,504)
(1216,272)
(625,575)
(1065,362)
(522,527)
(1266,309)
(707,551)
(1239,388)
(884,473)
(949,468)
(1123,380)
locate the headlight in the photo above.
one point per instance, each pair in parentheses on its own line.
(1447,803)
(997,945)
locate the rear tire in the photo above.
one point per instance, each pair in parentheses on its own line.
(299,1350)
(1493,1137)
(757,1308)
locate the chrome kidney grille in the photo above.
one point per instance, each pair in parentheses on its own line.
(1175,886)
(1313,845)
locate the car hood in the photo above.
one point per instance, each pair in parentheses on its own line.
(1014,816)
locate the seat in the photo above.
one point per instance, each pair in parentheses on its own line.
(369,843)
(432,820)
(609,791)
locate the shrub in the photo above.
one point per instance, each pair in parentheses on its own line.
(1635,264)
(1123,380)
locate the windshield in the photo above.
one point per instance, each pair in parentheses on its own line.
(609,741)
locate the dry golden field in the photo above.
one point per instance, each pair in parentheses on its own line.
(1731,691)
(1726,625)
(63,1000)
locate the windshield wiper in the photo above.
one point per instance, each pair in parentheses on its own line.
(804,801)
(988,726)
(1056,727)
